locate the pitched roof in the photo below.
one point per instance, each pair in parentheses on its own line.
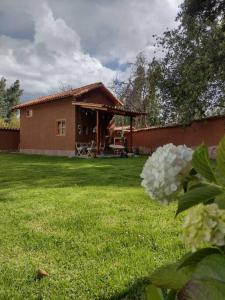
(73,93)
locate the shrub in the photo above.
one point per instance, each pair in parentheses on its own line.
(198,184)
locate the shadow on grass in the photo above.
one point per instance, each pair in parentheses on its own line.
(134,292)
(22,171)
(5,197)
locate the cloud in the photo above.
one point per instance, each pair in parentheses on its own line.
(118,29)
(47,42)
(54,56)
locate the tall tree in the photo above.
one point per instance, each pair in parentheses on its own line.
(193,69)
(3,99)
(153,105)
(8,98)
(188,82)
(139,93)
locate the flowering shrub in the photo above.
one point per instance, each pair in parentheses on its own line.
(165,171)
(198,183)
(204,224)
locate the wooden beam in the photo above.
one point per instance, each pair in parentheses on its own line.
(131,134)
(107,108)
(97,131)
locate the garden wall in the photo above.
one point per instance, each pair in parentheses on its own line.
(9,139)
(208,130)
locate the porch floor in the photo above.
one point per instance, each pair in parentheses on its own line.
(107,155)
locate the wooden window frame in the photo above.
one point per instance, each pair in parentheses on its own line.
(57,127)
(28,115)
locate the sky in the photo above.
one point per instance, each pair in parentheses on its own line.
(50,44)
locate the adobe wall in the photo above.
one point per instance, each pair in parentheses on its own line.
(9,139)
(209,130)
(38,134)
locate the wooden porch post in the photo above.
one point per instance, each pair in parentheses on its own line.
(97,132)
(75,129)
(131,134)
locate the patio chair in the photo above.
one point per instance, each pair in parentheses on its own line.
(91,151)
(81,149)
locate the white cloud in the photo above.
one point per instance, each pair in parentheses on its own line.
(72,42)
(54,56)
(118,29)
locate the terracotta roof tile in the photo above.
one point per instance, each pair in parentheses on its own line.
(72,92)
(8,128)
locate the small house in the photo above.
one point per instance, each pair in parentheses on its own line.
(56,124)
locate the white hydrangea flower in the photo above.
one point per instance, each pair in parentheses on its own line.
(165,170)
(205,224)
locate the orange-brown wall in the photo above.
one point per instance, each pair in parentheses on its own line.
(97,97)
(38,134)
(209,131)
(9,139)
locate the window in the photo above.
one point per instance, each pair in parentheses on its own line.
(61,127)
(29,113)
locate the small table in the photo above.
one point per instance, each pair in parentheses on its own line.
(117,149)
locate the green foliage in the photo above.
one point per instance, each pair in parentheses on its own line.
(193,67)
(220,159)
(207,289)
(140,92)
(188,81)
(201,163)
(208,280)
(171,277)
(14,122)
(197,195)
(194,258)
(9,97)
(211,267)
(153,293)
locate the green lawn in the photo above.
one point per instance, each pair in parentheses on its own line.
(87,222)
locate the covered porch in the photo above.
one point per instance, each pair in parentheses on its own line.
(94,130)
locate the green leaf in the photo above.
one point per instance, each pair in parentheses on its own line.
(170,277)
(220,159)
(171,295)
(198,195)
(205,289)
(208,280)
(196,257)
(211,267)
(153,293)
(201,163)
(220,201)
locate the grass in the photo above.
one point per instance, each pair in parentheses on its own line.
(87,222)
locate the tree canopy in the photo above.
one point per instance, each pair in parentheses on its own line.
(9,96)
(188,81)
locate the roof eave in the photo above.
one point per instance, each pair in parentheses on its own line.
(97,85)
